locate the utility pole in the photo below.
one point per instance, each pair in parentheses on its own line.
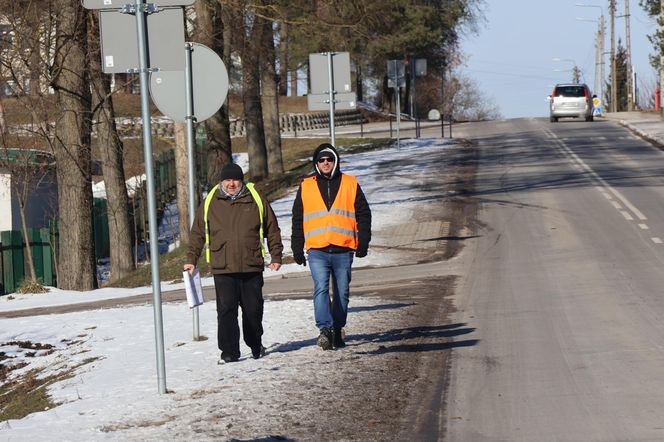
(630,93)
(614,92)
(661,60)
(602,40)
(598,60)
(600,56)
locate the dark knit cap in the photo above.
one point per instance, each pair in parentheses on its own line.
(232,171)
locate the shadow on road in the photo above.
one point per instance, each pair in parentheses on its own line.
(395,340)
(371,308)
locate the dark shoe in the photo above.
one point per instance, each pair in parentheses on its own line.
(325,338)
(227,358)
(258,352)
(338,341)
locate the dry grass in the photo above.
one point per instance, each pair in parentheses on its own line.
(27,393)
(30,286)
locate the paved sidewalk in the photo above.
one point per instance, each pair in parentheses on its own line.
(647,124)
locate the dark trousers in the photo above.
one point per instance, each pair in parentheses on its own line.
(244,290)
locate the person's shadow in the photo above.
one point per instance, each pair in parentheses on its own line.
(395,340)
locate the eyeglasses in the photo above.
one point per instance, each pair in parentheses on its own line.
(325,160)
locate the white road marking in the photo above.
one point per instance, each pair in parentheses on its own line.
(656,240)
(575,158)
(627,216)
(644,226)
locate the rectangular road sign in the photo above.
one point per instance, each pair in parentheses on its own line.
(116,4)
(318,73)
(119,40)
(421,67)
(321,102)
(396,73)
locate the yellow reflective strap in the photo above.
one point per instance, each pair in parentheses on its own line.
(259,202)
(206,206)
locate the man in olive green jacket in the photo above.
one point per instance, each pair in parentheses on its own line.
(231,237)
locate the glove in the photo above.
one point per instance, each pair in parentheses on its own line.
(299,258)
(362,250)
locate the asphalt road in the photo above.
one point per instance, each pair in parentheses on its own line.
(562,286)
(552,327)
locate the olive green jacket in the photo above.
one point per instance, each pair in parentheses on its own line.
(234,234)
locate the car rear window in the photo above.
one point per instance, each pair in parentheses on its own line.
(569,91)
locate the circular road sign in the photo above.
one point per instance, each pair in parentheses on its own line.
(209,85)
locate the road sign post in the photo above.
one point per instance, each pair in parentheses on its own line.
(330,84)
(142,65)
(396,78)
(189,98)
(192,95)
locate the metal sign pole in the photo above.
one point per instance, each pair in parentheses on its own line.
(141,9)
(189,98)
(330,75)
(398,92)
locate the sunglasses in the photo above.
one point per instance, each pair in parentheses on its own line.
(325,160)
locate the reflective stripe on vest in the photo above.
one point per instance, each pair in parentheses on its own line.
(337,226)
(206,206)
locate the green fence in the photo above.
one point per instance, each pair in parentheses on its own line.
(100,228)
(13,262)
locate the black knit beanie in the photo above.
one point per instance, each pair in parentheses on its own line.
(232,171)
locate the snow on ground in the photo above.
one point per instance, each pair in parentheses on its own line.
(114,396)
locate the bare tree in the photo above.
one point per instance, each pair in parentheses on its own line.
(72,148)
(111,151)
(213,30)
(181,185)
(250,45)
(283,58)
(270,98)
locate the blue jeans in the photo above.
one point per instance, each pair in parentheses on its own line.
(322,265)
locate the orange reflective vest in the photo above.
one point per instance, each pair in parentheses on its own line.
(336,226)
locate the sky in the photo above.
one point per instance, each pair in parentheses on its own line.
(116,397)
(511,56)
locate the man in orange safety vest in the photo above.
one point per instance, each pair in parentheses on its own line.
(332,221)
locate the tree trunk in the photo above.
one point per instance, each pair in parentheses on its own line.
(253,112)
(283,59)
(293,80)
(111,151)
(213,30)
(72,149)
(270,101)
(3,125)
(26,239)
(181,183)
(358,83)
(36,65)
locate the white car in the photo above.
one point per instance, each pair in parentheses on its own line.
(570,100)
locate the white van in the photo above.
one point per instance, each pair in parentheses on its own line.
(570,100)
